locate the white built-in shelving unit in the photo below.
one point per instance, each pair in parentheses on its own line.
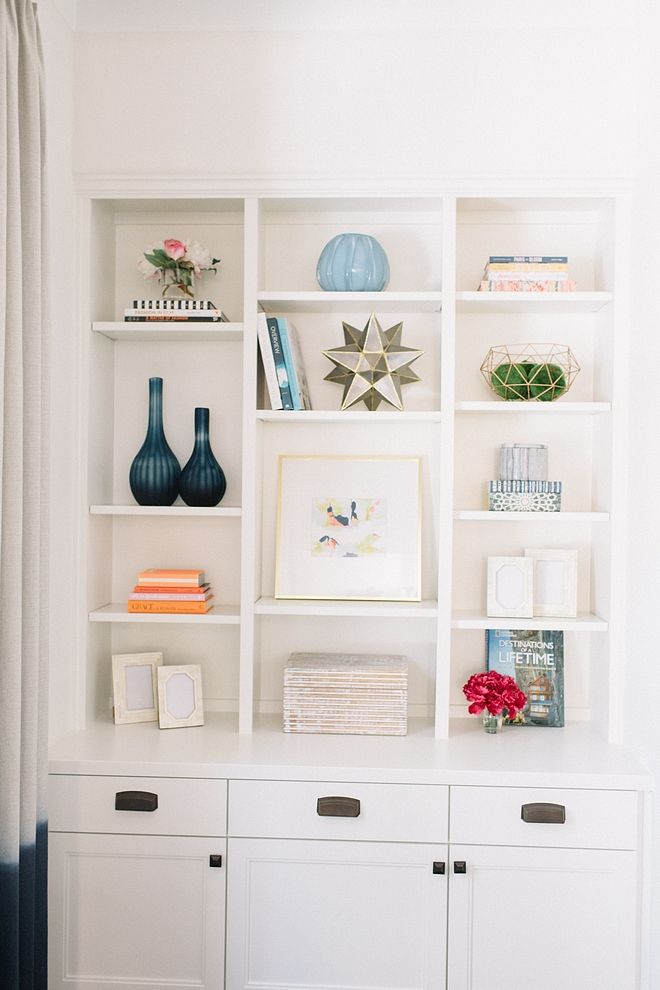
(269,244)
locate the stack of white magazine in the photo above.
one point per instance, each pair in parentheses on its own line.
(356,694)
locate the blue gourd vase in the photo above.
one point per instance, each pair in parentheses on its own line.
(202,480)
(155,471)
(353,263)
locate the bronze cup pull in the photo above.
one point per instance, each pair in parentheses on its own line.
(338,807)
(136,801)
(543,813)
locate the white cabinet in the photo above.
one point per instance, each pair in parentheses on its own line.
(315,899)
(349,902)
(546,881)
(130,906)
(133,911)
(542,917)
(335,914)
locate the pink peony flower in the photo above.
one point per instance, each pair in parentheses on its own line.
(174,249)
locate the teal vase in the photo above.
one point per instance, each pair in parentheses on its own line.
(202,480)
(155,471)
(353,263)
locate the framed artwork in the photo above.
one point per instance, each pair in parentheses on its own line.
(349,528)
(555,582)
(135,687)
(510,587)
(180,700)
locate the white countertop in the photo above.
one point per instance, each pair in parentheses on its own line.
(575,756)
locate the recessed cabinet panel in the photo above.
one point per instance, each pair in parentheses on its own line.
(130,911)
(567,916)
(335,915)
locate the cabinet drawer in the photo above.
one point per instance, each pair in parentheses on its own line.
(297,810)
(185,806)
(593,819)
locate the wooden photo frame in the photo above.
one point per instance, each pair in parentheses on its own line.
(135,687)
(180,701)
(349,528)
(555,582)
(510,587)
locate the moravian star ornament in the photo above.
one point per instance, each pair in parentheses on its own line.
(372,365)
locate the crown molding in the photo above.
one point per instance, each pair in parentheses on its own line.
(153,186)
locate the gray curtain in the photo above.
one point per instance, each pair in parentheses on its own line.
(23,504)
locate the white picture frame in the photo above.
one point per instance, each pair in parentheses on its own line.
(555,582)
(135,687)
(510,590)
(180,699)
(349,528)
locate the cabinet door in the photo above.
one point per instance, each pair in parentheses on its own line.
(136,911)
(543,918)
(335,915)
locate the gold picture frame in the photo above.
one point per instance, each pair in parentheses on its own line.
(348,528)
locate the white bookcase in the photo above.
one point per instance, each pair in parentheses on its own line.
(269,244)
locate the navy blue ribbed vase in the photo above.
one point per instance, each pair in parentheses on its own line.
(155,471)
(202,480)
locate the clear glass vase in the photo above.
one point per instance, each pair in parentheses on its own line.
(177,283)
(491,723)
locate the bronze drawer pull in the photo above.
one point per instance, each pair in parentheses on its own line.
(543,813)
(136,801)
(338,807)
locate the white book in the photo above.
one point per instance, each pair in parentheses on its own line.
(268,361)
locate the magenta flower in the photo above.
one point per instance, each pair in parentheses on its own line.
(496,692)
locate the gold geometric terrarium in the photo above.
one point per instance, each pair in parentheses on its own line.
(521,372)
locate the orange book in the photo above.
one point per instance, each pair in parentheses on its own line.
(172,589)
(188,608)
(156,575)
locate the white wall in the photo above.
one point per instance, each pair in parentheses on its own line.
(643,659)
(493,95)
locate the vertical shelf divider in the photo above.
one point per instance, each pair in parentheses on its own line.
(445,515)
(249,500)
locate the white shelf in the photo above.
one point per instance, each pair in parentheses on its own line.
(556,408)
(118,612)
(165,510)
(478,515)
(584,622)
(397,610)
(351,302)
(532,302)
(347,416)
(175,330)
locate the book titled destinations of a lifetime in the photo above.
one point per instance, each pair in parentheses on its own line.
(535,660)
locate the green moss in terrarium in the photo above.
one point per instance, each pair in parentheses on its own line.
(510,381)
(547,382)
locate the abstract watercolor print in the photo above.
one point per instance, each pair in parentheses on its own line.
(348,527)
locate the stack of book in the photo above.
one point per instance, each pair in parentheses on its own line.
(355,694)
(526,273)
(170,591)
(183,310)
(282,361)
